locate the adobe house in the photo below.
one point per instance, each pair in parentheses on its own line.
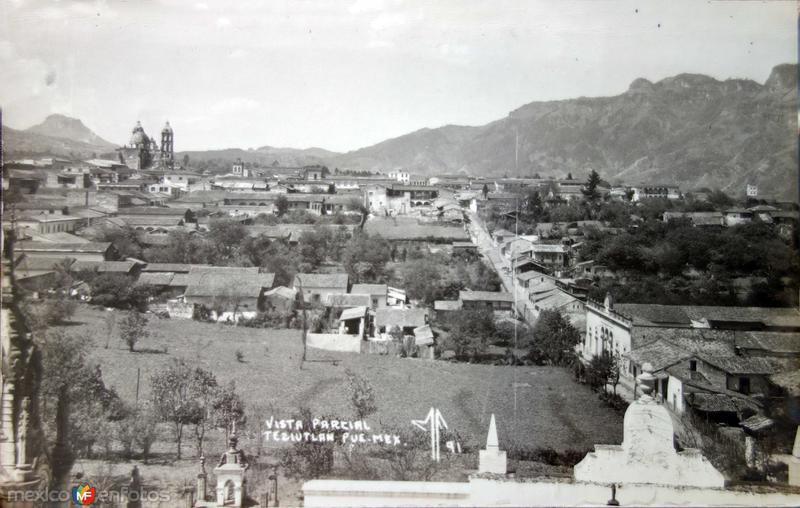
(493,300)
(378,293)
(88,251)
(317,286)
(388,318)
(234,289)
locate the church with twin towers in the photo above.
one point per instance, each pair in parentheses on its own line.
(144,152)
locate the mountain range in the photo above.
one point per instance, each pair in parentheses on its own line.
(689,129)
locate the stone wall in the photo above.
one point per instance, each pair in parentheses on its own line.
(334,342)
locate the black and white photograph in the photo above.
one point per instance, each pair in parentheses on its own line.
(399,253)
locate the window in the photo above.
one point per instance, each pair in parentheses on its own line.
(744,385)
(693,365)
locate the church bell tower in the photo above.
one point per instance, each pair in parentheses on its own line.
(167,152)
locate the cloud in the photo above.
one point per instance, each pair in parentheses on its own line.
(201,6)
(223,22)
(234,105)
(238,54)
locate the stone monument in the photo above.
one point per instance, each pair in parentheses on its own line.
(492,459)
(647,454)
(230,475)
(794,461)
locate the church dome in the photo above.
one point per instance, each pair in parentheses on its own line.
(166,128)
(138,137)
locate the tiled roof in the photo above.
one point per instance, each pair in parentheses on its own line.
(774,342)
(789,380)
(554,300)
(283,292)
(353,313)
(95,247)
(502,232)
(201,197)
(549,247)
(744,364)
(103,266)
(370,289)
(447,305)
(719,403)
(227,281)
(151,210)
(660,354)
(156,220)
(347,300)
(155,279)
(652,313)
(757,423)
(170,267)
(694,340)
(683,315)
(485,296)
(29,264)
(321,280)
(388,316)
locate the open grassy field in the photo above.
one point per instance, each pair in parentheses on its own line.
(407,228)
(548,409)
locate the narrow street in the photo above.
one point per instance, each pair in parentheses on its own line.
(496,260)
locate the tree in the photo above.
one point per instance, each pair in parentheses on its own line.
(720,199)
(533,203)
(600,371)
(75,406)
(185,160)
(117,290)
(554,338)
(363,248)
(226,235)
(362,396)
(51,311)
(204,392)
(281,205)
(357,204)
(331,189)
(470,332)
(174,397)
(590,188)
(421,280)
(228,409)
(310,459)
(133,328)
(314,246)
(485,191)
(126,240)
(411,461)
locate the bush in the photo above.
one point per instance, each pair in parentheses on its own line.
(614,400)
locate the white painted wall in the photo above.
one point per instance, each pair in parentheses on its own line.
(485,491)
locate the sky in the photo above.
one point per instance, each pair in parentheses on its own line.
(343,74)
